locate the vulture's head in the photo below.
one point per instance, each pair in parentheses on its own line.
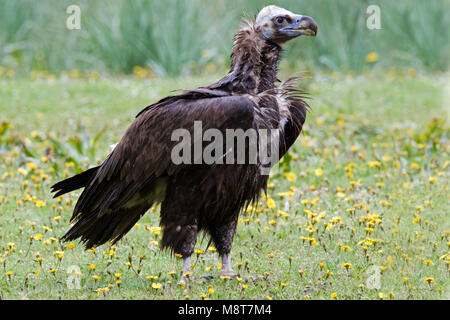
(280,25)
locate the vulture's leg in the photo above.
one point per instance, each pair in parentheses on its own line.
(186,269)
(223,236)
(180,228)
(226,266)
(182,240)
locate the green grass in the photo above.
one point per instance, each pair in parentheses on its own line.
(376,138)
(179,37)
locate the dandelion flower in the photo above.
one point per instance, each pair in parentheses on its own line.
(291,176)
(429,280)
(347,265)
(318,172)
(156,285)
(372,57)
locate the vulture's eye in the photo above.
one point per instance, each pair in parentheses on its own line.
(279,20)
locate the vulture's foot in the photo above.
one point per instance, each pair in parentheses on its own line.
(226,267)
(183,280)
(205,279)
(228,273)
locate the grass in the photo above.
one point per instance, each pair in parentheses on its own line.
(363,191)
(179,37)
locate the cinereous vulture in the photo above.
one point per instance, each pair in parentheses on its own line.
(197,196)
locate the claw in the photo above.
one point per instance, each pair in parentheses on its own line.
(205,279)
(227,273)
(226,267)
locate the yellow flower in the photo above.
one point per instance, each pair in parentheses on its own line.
(271,203)
(414,166)
(156,285)
(92,266)
(140,72)
(95,75)
(372,57)
(429,280)
(347,265)
(368,230)
(31,165)
(291,176)
(333,295)
(428,262)
(373,164)
(59,254)
(74,73)
(39,203)
(318,172)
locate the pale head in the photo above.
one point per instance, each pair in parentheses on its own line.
(280,25)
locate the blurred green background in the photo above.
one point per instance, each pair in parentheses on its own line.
(183,37)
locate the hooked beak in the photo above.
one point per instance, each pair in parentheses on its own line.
(302,25)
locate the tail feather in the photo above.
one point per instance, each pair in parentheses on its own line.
(107,208)
(112,226)
(73,183)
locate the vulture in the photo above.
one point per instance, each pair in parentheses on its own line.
(196,195)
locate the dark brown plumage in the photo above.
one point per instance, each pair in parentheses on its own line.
(194,197)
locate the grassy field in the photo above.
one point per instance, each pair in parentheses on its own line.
(362,196)
(180,37)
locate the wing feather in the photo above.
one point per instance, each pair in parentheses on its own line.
(144,152)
